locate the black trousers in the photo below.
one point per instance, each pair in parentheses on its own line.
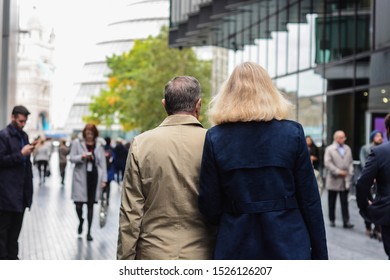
(386,239)
(332,197)
(10,227)
(107,190)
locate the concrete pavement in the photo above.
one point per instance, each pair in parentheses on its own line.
(49,230)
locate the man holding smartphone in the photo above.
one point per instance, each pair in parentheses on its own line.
(16,185)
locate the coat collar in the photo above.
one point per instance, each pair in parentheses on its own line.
(84,145)
(180,120)
(337,145)
(13,131)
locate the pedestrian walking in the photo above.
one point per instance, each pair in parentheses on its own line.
(257,182)
(159,216)
(339,164)
(376,138)
(110,157)
(314,152)
(120,159)
(89,174)
(42,154)
(63,152)
(377,169)
(16,185)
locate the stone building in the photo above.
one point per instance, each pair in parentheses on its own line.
(35,70)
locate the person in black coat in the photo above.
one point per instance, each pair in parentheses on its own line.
(377,169)
(110,157)
(16,185)
(314,152)
(120,160)
(257,182)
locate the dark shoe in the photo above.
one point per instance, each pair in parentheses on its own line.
(377,235)
(332,224)
(80,229)
(348,225)
(89,237)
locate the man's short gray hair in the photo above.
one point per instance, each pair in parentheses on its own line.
(181,94)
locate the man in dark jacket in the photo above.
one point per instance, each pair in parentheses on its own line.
(110,157)
(377,168)
(16,186)
(120,160)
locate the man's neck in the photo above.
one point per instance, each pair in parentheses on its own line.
(194,114)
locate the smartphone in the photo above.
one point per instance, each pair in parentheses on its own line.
(35,142)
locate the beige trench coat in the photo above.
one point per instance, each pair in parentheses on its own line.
(159,216)
(334,163)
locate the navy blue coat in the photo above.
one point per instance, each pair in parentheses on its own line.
(377,167)
(257,184)
(16,185)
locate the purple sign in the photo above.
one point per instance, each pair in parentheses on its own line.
(379,124)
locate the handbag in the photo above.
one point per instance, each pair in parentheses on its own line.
(103,210)
(379,210)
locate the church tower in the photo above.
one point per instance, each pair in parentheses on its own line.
(35,73)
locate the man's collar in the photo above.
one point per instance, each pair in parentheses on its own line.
(13,129)
(180,120)
(339,145)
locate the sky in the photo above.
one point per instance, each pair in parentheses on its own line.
(77,25)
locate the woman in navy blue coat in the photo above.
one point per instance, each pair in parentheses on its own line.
(257,182)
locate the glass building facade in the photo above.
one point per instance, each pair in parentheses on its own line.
(330,57)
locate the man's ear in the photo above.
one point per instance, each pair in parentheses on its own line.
(199,103)
(163,102)
(197,107)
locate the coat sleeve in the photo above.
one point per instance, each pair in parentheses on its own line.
(132,208)
(363,156)
(9,158)
(329,164)
(76,152)
(366,180)
(210,196)
(102,163)
(309,199)
(350,166)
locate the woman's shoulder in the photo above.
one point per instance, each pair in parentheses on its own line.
(289,123)
(244,125)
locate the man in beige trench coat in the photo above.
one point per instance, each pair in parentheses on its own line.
(339,164)
(159,216)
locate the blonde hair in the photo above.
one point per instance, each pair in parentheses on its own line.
(248,95)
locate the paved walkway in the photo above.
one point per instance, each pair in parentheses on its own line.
(50,229)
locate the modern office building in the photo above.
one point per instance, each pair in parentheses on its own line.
(133,20)
(329,56)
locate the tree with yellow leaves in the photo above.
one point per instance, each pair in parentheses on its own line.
(136,83)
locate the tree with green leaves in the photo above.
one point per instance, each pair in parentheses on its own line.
(135,86)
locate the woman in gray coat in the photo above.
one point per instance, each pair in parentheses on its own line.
(89,174)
